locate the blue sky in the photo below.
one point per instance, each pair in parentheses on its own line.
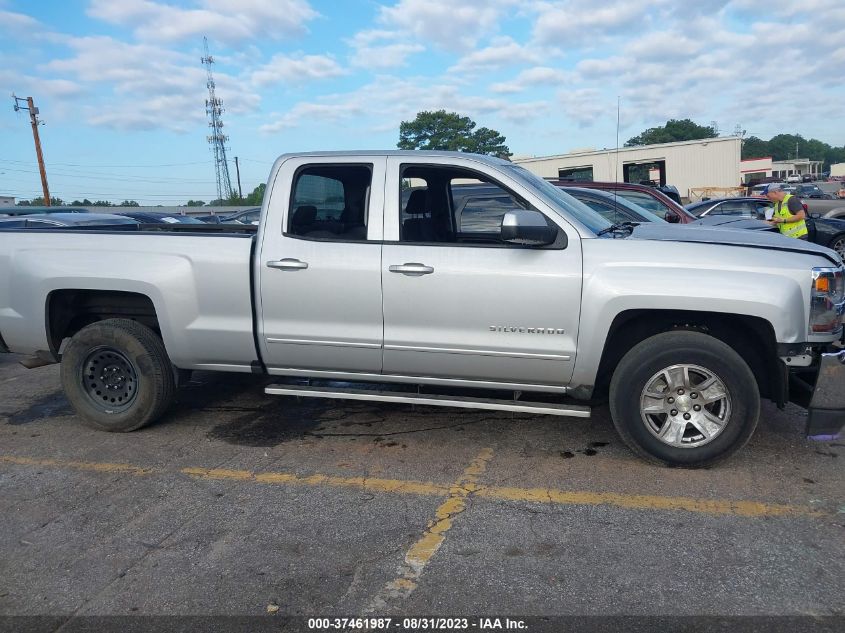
(121,88)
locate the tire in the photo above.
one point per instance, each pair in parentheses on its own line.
(117,376)
(838,244)
(655,426)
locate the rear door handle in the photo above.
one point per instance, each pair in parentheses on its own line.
(287,264)
(413,269)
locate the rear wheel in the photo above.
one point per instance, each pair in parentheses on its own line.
(684,399)
(117,376)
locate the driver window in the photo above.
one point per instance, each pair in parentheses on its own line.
(455,206)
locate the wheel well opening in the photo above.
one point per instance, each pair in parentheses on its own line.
(68,311)
(752,338)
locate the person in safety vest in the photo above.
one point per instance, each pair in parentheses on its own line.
(788,214)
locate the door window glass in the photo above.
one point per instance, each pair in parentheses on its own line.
(330,202)
(452,205)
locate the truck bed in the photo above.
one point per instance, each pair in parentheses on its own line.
(197,277)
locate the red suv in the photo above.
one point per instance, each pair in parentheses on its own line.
(647,197)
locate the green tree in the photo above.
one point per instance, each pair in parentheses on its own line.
(674,130)
(129,203)
(39,202)
(450,131)
(84,203)
(195,203)
(257,196)
(754,147)
(101,203)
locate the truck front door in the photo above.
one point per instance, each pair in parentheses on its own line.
(459,304)
(318,268)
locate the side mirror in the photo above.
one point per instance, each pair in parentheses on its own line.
(527,228)
(673,218)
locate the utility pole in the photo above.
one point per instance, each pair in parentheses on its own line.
(238,171)
(33,117)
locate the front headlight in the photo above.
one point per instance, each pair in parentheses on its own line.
(827,300)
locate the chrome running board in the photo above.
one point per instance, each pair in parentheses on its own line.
(463,402)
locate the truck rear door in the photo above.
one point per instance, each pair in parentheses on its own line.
(318,270)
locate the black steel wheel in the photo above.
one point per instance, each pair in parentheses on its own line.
(109,379)
(117,375)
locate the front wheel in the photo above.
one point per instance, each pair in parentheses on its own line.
(684,399)
(117,376)
(838,244)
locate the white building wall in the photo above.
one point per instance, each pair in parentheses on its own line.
(689,164)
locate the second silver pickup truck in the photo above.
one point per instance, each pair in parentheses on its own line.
(386,268)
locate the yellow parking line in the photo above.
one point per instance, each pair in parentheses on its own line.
(100,467)
(744,508)
(364,483)
(646,502)
(421,552)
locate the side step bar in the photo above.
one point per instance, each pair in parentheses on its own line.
(463,402)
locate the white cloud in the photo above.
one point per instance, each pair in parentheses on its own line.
(380,49)
(533,77)
(224,20)
(388,100)
(570,21)
(501,53)
(155,87)
(446,24)
(296,69)
(11,22)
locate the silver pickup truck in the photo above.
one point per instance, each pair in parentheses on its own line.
(382,276)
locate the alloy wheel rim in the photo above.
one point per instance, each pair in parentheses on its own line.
(109,380)
(685,406)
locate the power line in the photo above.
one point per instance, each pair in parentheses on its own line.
(196,162)
(119,177)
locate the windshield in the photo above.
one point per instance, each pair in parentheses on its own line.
(639,209)
(560,199)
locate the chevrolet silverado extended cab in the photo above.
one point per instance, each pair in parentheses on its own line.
(364,281)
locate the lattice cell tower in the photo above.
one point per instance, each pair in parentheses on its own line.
(214,109)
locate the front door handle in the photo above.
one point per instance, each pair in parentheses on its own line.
(413,269)
(287,264)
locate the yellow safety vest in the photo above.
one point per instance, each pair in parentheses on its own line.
(790,229)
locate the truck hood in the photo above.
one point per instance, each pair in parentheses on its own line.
(729,237)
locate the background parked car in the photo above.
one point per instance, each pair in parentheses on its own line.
(249,216)
(613,207)
(828,232)
(55,220)
(17,211)
(153,217)
(812,191)
(618,209)
(645,196)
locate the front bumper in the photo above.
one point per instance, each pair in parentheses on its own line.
(827,405)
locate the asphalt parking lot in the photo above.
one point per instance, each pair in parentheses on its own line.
(239,503)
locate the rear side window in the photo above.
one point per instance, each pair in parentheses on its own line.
(330,202)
